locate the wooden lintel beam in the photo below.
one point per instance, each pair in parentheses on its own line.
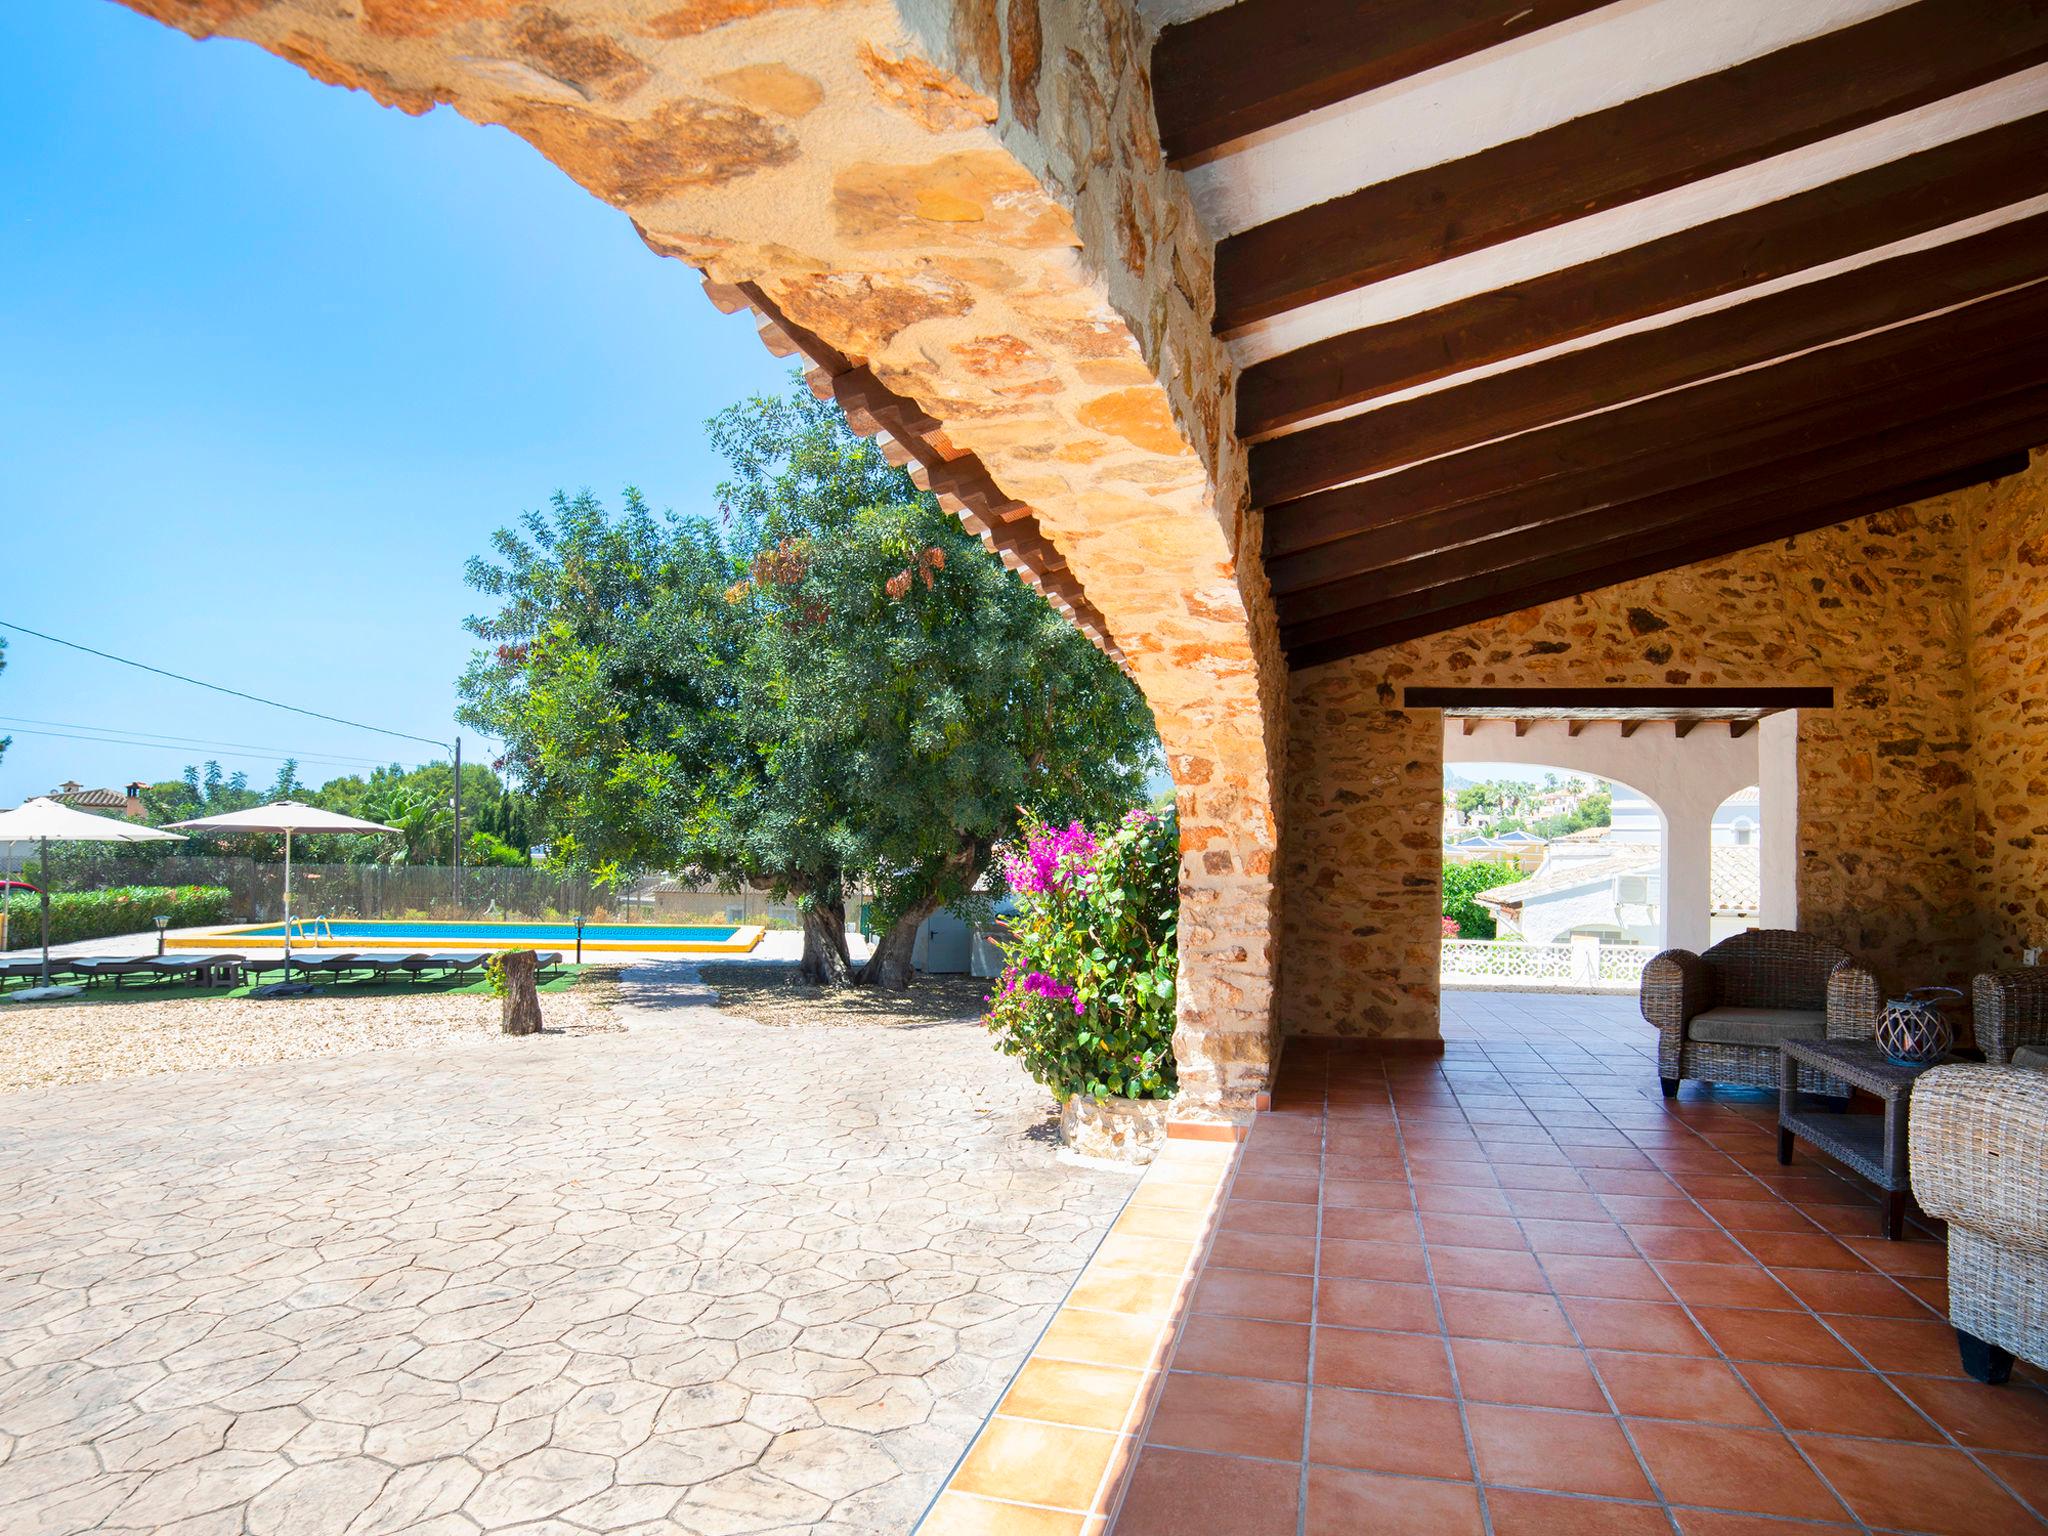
(1872,208)
(1469,724)
(1853,303)
(1521,728)
(1701,127)
(1737,729)
(1682,728)
(1260,62)
(1573,727)
(1629,728)
(1833,395)
(1641,699)
(1368,632)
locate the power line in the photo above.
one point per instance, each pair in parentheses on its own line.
(233,693)
(154,739)
(255,754)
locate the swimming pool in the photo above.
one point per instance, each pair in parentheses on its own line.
(350,933)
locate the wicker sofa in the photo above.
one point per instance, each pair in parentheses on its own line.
(1977,1145)
(1721,1015)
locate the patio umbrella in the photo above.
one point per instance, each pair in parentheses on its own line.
(288,817)
(48,821)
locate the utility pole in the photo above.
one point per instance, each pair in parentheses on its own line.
(455,873)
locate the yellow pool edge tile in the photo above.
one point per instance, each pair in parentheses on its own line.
(1118,1321)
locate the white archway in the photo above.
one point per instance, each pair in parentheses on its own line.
(1685,777)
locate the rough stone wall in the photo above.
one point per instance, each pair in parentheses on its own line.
(2008,528)
(1876,609)
(965,196)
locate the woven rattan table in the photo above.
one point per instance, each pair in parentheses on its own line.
(1873,1145)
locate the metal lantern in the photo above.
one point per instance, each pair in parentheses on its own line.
(1913,1031)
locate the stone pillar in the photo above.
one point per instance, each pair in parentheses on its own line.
(1778,838)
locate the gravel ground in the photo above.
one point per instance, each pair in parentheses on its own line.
(771,994)
(100,1038)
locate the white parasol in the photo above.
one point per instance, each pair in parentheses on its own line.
(48,821)
(288,817)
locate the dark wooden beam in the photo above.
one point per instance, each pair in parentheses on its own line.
(1596,378)
(1682,728)
(1737,729)
(1629,728)
(1260,62)
(1835,394)
(1819,477)
(1889,202)
(1521,728)
(1798,95)
(1647,700)
(1469,724)
(1573,727)
(1368,632)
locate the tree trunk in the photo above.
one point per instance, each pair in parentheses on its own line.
(520,1013)
(825,962)
(889,965)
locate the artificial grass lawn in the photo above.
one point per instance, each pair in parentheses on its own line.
(139,989)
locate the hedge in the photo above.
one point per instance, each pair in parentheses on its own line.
(79,915)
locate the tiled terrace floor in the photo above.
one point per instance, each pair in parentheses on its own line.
(1511,1291)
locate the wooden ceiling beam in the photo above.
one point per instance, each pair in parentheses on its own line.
(1794,96)
(1737,729)
(1820,476)
(1872,208)
(1260,62)
(1600,377)
(1367,631)
(1837,393)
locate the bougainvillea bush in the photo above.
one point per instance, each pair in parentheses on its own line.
(1086,999)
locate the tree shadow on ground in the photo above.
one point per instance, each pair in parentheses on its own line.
(773,995)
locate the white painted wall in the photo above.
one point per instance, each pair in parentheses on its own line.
(1778,777)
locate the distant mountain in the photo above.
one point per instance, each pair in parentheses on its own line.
(1455,781)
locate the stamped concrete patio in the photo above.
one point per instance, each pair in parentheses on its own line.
(701,1276)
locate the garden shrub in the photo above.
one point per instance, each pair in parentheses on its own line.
(1086,999)
(79,915)
(1462,885)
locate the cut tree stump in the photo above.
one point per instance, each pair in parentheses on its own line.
(521,1011)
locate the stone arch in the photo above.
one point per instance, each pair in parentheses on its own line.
(961,217)
(1685,778)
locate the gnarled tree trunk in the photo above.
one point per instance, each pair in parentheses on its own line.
(520,1013)
(825,962)
(889,965)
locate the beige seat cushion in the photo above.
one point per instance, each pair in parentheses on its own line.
(2031,1056)
(1756,1026)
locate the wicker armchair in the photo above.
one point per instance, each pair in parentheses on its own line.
(1977,1146)
(1721,1015)
(2011,1015)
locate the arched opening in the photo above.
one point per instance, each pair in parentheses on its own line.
(1735,850)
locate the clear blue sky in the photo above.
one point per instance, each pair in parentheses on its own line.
(274,362)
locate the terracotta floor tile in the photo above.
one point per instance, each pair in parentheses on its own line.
(1555,1205)
(1688,1245)
(1745,1216)
(1230,1416)
(1651,1210)
(1862,1292)
(1540,1176)
(1917,1487)
(1897,1344)
(1646,1182)
(1652,1327)
(1148,1255)
(1263,1216)
(1242,1346)
(1603,1237)
(1554,1452)
(1473,1232)
(1515,1513)
(1373,1432)
(1066,1392)
(1782,1338)
(1344,1503)
(1461,1200)
(960,1514)
(1713,1522)
(1279,1189)
(1504,1315)
(1917,1256)
(1254,1293)
(1615,1279)
(1033,1463)
(1174,1492)
(2009,1418)
(1382,1362)
(1104,1338)
(1800,1250)
(1855,1402)
(1530,1375)
(2025,1475)
(1749,1471)
(1366,1194)
(1118,1290)
(1667,1387)
(1274,1252)
(1726,1285)
(1376,1304)
(1374,1261)
(1486,1269)
(1371,1224)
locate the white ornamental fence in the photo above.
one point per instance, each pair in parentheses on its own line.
(1583,965)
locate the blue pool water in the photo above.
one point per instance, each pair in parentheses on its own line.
(441,933)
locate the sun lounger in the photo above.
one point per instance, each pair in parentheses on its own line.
(548,961)
(459,963)
(336,965)
(200,968)
(117,967)
(256,967)
(384,965)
